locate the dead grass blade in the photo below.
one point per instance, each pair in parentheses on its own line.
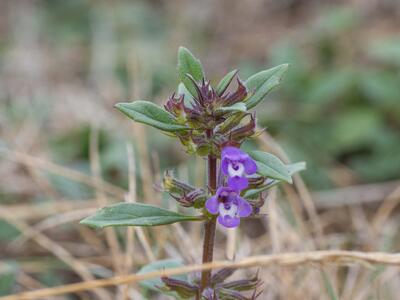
(45,165)
(269,143)
(337,257)
(55,248)
(111,236)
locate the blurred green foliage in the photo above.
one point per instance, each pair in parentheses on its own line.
(339,105)
(7,280)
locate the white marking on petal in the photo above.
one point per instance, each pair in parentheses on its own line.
(239,172)
(227,212)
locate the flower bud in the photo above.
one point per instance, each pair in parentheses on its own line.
(176,106)
(183,288)
(241,285)
(228,99)
(182,192)
(209,294)
(231,122)
(173,185)
(245,131)
(195,198)
(230,294)
(255,182)
(221,275)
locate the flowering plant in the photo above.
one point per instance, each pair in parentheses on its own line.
(211,122)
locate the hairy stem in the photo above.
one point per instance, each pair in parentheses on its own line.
(209,226)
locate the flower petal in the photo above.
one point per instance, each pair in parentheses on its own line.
(250,166)
(212,205)
(228,221)
(233,153)
(238,183)
(244,208)
(224,166)
(222,189)
(230,151)
(236,169)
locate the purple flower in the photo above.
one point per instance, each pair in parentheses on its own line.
(236,164)
(230,206)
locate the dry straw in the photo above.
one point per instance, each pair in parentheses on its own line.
(284,259)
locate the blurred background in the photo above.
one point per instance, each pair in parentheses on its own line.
(64,64)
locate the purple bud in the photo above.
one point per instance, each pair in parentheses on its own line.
(230,294)
(209,294)
(182,192)
(231,122)
(242,285)
(221,275)
(176,106)
(245,131)
(171,184)
(239,95)
(182,288)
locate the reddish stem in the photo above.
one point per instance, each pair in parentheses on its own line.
(209,226)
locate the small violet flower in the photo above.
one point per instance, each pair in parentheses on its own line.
(236,164)
(230,206)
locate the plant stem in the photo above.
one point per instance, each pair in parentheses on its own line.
(209,226)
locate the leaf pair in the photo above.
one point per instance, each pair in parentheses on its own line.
(258,85)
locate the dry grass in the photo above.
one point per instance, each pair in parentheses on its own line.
(296,247)
(320,258)
(291,243)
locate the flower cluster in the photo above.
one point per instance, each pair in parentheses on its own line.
(236,165)
(207,111)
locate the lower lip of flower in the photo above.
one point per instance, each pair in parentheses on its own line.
(235,169)
(227,209)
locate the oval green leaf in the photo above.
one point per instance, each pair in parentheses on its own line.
(253,193)
(240,106)
(155,283)
(135,214)
(150,114)
(189,64)
(182,90)
(291,168)
(262,83)
(296,167)
(270,166)
(224,83)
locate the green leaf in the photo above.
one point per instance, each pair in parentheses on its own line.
(291,168)
(182,90)
(152,284)
(7,278)
(262,83)
(189,64)
(270,166)
(135,214)
(296,167)
(386,50)
(223,84)
(148,113)
(252,193)
(240,106)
